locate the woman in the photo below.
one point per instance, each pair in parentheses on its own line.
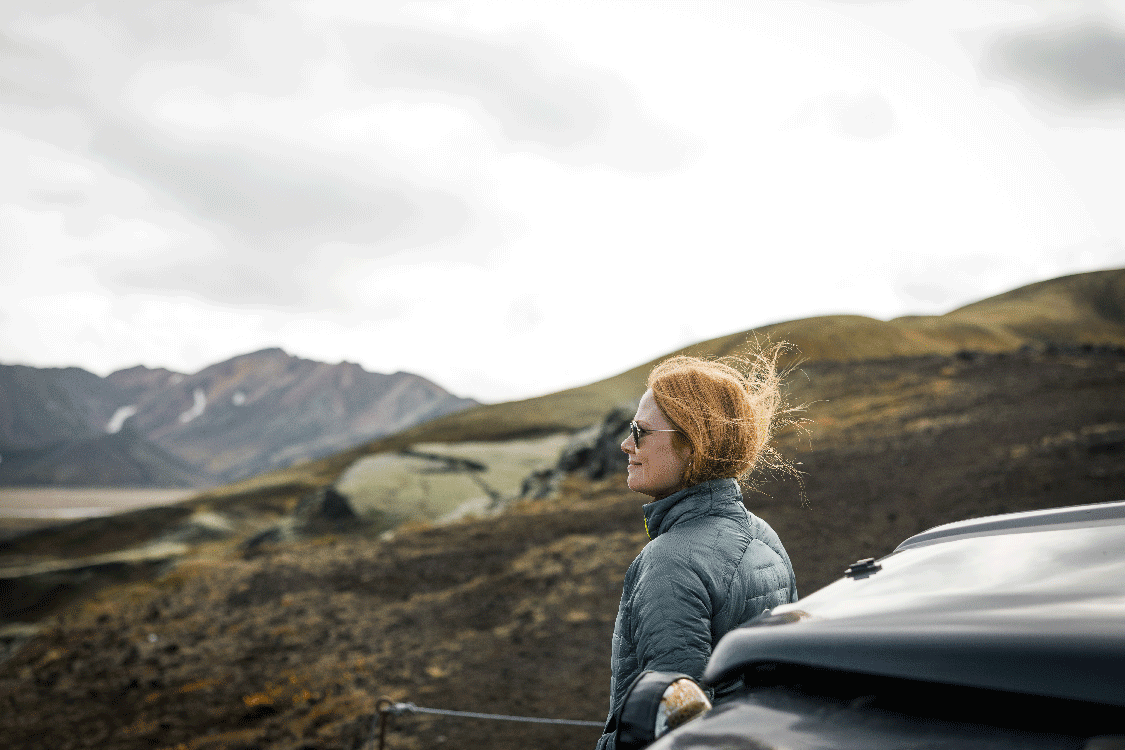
(700,428)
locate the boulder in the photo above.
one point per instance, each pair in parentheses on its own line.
(326,506)
(595,451)
(323,511)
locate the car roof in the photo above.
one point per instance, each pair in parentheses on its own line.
(1010,523)
(1029,602)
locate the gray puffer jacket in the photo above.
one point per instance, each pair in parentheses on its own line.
(711,566)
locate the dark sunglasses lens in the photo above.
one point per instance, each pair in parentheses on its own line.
(636,434)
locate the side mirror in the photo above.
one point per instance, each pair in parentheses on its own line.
(655,704)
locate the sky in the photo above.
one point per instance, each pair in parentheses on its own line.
(514,198)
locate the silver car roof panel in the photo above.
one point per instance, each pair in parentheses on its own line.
(1070,517)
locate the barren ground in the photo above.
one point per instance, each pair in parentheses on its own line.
(81,502)
(291,646)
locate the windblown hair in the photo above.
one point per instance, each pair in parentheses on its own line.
(727,410)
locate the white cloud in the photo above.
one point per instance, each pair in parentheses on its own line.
(864,116)
(1074,68)
(512,198)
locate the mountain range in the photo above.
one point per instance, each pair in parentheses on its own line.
(154,427)
(201,625)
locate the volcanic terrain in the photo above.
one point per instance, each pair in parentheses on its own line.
(289,641)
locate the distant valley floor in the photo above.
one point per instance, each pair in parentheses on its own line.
(23,508)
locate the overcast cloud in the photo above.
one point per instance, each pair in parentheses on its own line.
(865,116)
(515,197)
(178,99)
(1076,66)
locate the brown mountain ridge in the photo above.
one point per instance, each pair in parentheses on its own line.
(234,419)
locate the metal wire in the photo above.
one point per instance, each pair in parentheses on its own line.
(386,708)
(398,709)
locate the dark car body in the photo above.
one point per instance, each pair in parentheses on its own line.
(1000,632)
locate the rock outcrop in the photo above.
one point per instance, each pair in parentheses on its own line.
(595,452)
(324,511)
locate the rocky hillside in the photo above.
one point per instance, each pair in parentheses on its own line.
(240,619)
(290,645)
(238,418)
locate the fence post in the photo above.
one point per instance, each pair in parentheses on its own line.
(381,707)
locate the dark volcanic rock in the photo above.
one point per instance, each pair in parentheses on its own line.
(327,508)
(324,511)
(595,452)
(605,456)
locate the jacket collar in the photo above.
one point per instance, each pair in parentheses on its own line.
(698,500)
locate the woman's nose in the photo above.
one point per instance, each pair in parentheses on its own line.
(627,444)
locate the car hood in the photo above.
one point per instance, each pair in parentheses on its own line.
(1031,603)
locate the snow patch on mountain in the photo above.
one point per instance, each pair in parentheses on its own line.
(117,421)
(196,408)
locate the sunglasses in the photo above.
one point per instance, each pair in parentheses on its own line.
(639,432)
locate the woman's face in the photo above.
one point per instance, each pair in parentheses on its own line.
(656,468)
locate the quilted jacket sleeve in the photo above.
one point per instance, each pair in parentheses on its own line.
(671,623)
